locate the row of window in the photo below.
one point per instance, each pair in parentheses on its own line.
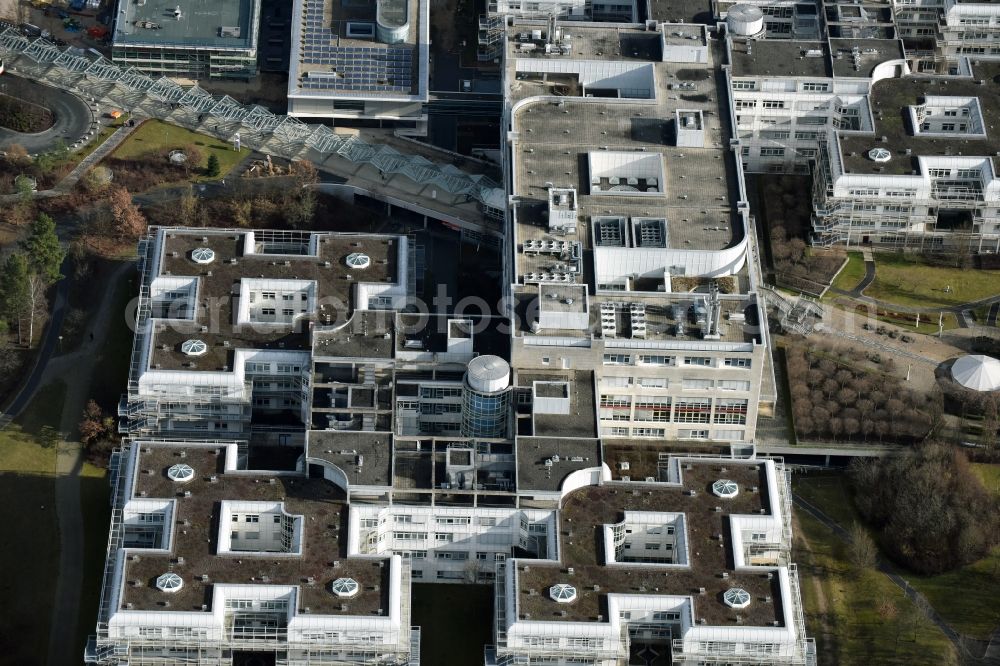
(701,361)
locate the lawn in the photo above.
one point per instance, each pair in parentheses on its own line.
(27,509)
(974,611)
(454,620)
(155,136)
(842,608)
(907,280)
(990,476)
(27,493)
(850,276)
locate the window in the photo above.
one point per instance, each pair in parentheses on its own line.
(267,312)
(251,518)
(737,362)
(731,410)
(652,546)
(703,361)
(695,384)
(733,385)
(276,519)
(402,518)
(452,520)
(666,616)
(409,536)
(772,152)
(939,173)
(744,85)
(287,312)
(653,382)
(236,517)
(810,86)
(807,136)
(480,555)
(444,537)
(692,434)
(968,174)
(806,152)
(451,555)
(772,104)
(746,104)
(656,359)
(653,408)
(287,297)
(692,410)
(267,295)
(617,359)
(487,522)
(812,120)
(863,193)
(648,432)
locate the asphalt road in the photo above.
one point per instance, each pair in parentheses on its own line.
(72,115)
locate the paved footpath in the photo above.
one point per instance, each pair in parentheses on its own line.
(65,186)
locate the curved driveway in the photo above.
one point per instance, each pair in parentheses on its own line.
(72,115)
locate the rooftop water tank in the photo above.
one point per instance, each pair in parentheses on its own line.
(745,20)
(488,374)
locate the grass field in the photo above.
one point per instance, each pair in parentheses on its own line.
(850,276)
(974,611)
(990,475)
(454,622)
(841,608)
(27,509)
(155,136)
(906,280)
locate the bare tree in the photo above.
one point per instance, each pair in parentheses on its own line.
(129,222)
(862,550)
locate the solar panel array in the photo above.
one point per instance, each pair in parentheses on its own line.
(352,68)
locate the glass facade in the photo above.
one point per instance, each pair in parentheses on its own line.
(485,414)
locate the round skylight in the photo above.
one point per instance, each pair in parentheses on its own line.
(563,593)
(879,155)
(180,473)
(169,582)
(358,260)
(725,488)
(736,597)
(194,347)
(344,587)
(203,255)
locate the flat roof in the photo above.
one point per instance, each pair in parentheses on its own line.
(682,11)
(780,57)
(889,100)
(346,449)
(196,529)
(218,292)
(580,420)
(585,512)
(217,24)
(574,454)
(870,54)
(336,48)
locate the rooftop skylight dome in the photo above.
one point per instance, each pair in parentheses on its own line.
(879,155)
(194,348)
(562,593)
(180,473)
(169,582)
(725,488)
(203,255)
(358,260)
(736,597)
(344,587)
